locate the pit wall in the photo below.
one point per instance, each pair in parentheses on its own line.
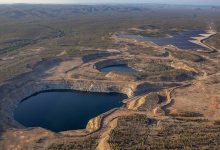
(110,62)
(12,99)
(98,55)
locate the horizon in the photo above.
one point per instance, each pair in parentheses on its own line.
(97,2)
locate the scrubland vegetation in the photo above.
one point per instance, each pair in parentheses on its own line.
(32,34)
(78,144)
(183,132)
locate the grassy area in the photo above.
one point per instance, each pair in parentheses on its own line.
(32,33)
(185,55)
(133,132)
(214,41)
(150,51)
(15,44)
(152,31)
(129,134)
(176,75)
(157,71)
(89,143)
(76,27)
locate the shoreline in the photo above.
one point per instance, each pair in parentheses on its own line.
(199,40)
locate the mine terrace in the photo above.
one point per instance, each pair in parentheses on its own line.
(165,91)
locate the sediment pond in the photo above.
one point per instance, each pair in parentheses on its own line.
(61,110)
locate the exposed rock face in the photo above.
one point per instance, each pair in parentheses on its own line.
(135,104)
(10,101)
(95,56)
(109,62)
(144,103)
(145,87)
(120,76)
(93,124)
(51,76)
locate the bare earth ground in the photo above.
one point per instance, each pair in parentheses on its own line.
(174,96)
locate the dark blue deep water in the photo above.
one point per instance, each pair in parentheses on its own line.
(118,68)
(180,40)
(64,110)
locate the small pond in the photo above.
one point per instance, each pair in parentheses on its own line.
(118,68)
(180,40)
(61,110)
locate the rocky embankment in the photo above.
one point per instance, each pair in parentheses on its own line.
(109,62)
(12,99)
